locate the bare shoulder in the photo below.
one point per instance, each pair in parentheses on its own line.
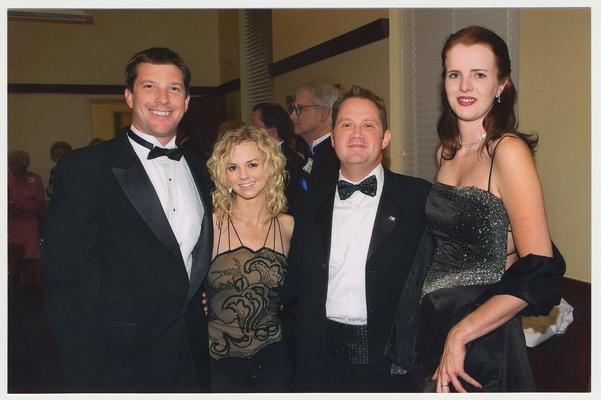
(287,224)
(511,151)
(513,167)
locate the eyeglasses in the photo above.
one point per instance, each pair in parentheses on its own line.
(298,109)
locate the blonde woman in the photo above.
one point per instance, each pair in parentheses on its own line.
(252,237)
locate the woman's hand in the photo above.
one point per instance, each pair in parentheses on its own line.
(450,368)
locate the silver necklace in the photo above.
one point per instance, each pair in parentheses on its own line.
(475,142)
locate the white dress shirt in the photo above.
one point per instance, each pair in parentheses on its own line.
(174,184)
(352,225)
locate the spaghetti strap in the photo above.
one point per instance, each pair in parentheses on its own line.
(229,242)
(274,229)
(235,231)
(268,230)
(281,239)
(492,159)
(219,238)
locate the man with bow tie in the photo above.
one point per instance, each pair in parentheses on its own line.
(128,244)
(351,251)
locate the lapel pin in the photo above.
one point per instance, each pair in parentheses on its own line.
(308,166)
(392,218)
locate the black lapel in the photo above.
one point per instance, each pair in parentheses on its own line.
(201,256)
(387,216)
(137,186)
(323,217)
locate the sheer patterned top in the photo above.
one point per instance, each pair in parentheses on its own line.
(470,226)
(243,287)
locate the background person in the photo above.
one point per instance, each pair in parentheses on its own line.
(96,141)
(311,114)
(57,151)
(25,202)
(276,121)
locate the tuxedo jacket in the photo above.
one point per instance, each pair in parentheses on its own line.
(397,230)
(125,315)
(293,167)
(325,167)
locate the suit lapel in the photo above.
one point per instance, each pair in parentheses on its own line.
(387,217)
(137,186)
(201,255)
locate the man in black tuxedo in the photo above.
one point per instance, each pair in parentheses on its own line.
(128,244)
(352,248)
(274,118)
(311,114)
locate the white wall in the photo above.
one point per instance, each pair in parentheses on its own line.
(555,102)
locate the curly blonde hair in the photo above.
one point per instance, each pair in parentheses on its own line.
(273,162)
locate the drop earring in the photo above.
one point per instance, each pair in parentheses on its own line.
(229,190)
(498,97)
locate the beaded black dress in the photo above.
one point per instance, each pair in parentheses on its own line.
(246,344)
(470,227)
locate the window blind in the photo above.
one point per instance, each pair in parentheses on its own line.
(256,83)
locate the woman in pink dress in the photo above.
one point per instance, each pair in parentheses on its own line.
(25,201)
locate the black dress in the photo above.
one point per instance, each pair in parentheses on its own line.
(459,265)
(246,344)
(470,228)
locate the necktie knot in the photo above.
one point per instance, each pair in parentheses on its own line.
(368,186)
(156,151)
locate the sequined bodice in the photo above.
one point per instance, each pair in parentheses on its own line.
(470,227)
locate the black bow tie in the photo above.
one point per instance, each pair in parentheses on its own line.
(174,154)
(155,151)
(368,186)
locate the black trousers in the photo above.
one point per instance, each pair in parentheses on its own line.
(267,372)
(343,377)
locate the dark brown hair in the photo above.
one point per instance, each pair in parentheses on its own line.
(501,118)
(58,145)
(160,56)
(274,115)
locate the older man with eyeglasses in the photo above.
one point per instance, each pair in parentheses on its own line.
(311,114)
